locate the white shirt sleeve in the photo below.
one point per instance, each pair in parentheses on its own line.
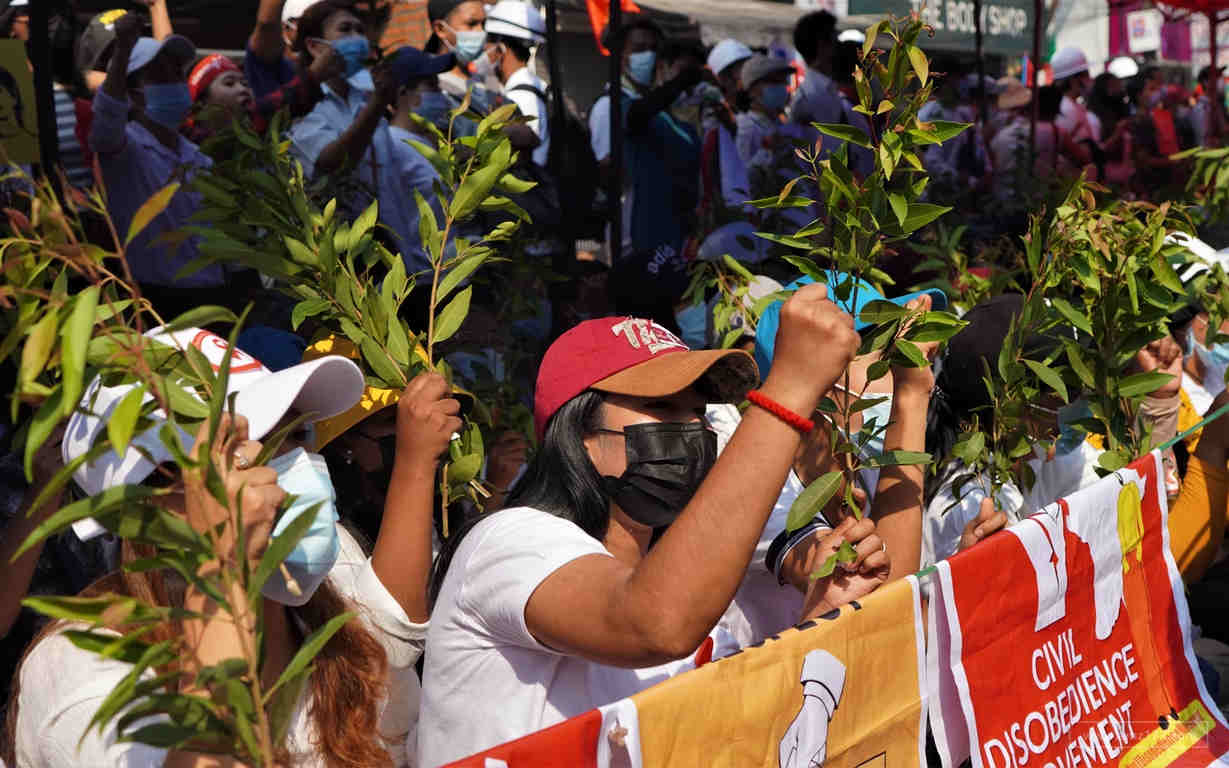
(517,550)
(62,687)
(530,106)
(599,128)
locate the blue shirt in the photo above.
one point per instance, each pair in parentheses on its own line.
(265,76)
(391,167)
(135,165)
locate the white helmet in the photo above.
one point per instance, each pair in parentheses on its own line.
(725,53)
(1123,68)
(1067,62)
(520,20)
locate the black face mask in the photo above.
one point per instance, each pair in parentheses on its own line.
(666,462)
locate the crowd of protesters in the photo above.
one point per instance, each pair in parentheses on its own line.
(649,517)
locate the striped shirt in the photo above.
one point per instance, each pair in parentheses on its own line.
(72,154)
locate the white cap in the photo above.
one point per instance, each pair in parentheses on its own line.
(1123,67)
(293,9)
(19,3)
(1067,62)
(325,387)
(851,36)
(513,18)
(725,53)
(147,48)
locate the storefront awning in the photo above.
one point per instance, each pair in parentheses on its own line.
(1007,25)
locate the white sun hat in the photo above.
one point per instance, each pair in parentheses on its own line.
(725,53)
(323,387)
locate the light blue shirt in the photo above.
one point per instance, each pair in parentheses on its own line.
(390,167)
(135,165)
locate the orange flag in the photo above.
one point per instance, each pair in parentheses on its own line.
(599,15)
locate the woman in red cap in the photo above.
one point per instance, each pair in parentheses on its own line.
(625,541)
(220,94)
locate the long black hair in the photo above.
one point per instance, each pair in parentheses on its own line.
(560,480)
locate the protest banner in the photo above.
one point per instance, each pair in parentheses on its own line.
(18,115)
(1064,641)
(843,691)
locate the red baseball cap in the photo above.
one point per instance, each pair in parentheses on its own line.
(206,71)
(634,356)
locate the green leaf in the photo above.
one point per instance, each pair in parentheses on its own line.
(912,353)
(921,214)
(737,267)
(363,224)
(45,420)
(900,206)
(200,317)
(300,253)
(280,548)
(151,524)
(878,311)
(477,186)
(308,650)
(1050,377)
(149,210)
(453,277)
(428,228)
(813,500)
(897,458)
(380,363)
(75,342)
(464,469)
(866,402)
(38,346)
(787,240)
(307,308)
(1143,383)
(920,64)
(449,320)
(186,403)
(1075,357)
(123,420)
(398,342)
(845,133)
(970,447)
(1113,460)
(1166,275)
(1071,314)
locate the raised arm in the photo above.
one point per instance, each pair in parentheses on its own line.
(349,147)
(111,102)
(426,420)
(160,17)
(663,607)
(265,42)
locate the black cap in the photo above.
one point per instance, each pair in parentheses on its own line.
(632,20)
(94,46)
(438,9)
(988,323)
(1208,70)
(409,62)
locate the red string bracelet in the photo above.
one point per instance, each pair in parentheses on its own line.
(802,424)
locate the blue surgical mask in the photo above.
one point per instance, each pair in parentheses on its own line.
(882,414)
(470,43)
(693,322)
(354,50)
(774,96)
(435,107)
(1215,359)
(305,476)
(167,103)
(640,66)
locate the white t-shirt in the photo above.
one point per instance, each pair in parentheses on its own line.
(531,106)
(487,680)
(946,516)
(1200,394)
(62,687)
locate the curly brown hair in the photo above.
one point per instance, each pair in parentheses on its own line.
(348,682)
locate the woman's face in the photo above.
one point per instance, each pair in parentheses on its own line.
(10,123)
(341,24)
(230,91)
(607,449)
(468,16)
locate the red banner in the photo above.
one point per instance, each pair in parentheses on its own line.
(599,16)
(1064,642)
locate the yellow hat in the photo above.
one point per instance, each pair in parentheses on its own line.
(374,399)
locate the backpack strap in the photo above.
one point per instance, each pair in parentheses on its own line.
(530,88)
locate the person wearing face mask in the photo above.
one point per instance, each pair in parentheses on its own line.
(514,29)
(269,63)
(765,143)
(368,664)
(138,112)
(1205,362)
(421,95)
(458,26)
(1208,114)
(221,94)
(625,540)
(347,132)
(661,175)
